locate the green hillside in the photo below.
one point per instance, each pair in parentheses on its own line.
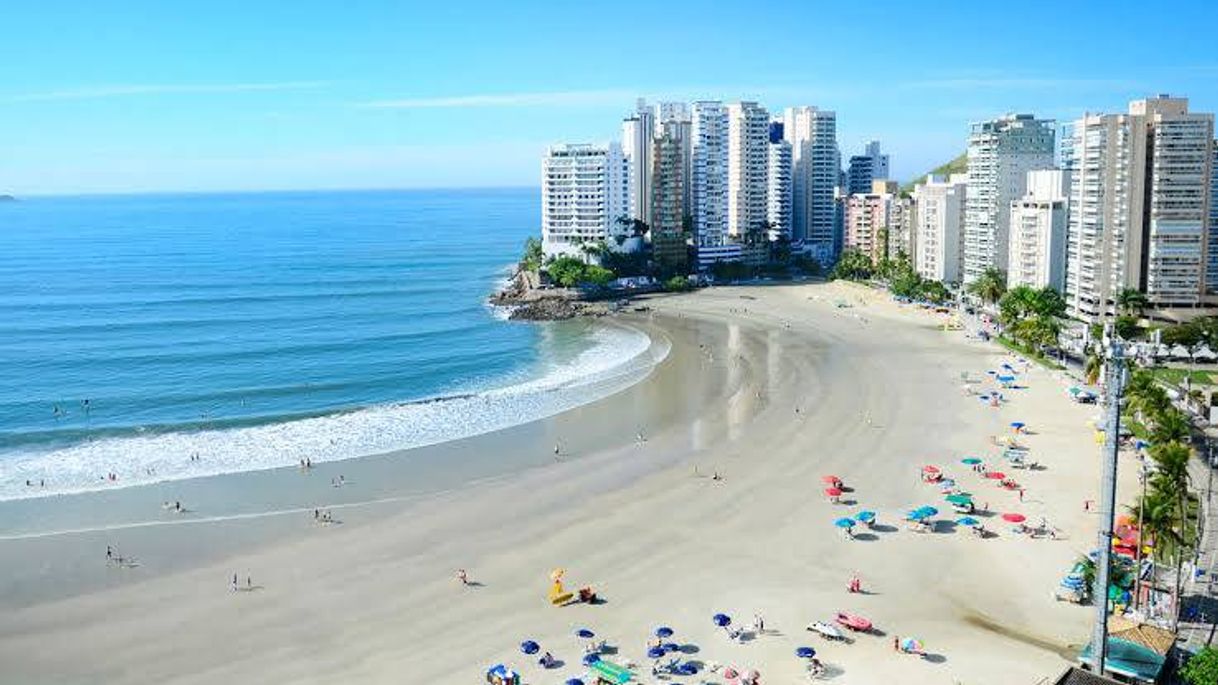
(959,165)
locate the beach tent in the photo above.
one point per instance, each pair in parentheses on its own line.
(1204,352)
(1179,352)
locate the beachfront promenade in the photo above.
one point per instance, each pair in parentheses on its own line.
(1197,622)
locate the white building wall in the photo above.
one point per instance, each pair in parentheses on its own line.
(778,189)
(815,172)
(708,172)
(1000,154)
(939,224)
(638,130)
(584,189)
(747,166)
(1037,252)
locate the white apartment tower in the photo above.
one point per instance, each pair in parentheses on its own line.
(708,173)
(778,189)
(939,226)
(673,119)
(748,141)
(638,130)
(1139,207)
(815,170)
(1001,152)
(1037,254)
(584,190)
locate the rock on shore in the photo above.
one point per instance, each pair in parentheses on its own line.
(528,301)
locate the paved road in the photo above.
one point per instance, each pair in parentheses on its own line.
(1201,593)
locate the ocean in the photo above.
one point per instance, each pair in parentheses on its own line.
(160,337)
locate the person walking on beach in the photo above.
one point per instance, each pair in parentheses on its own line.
(249,585)
(462,576)
(1021,494)
(109,553)
(234,582)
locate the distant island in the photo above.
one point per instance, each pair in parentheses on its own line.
(7,198)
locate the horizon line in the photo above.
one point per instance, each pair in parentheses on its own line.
(261,191)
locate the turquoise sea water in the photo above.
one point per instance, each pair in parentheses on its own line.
(254,330)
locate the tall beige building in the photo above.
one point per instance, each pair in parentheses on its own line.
(879,223)
(939,225)
(1139,206)
(748,155)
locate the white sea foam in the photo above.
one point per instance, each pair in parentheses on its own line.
(619,357)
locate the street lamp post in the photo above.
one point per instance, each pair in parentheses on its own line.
(1112,426)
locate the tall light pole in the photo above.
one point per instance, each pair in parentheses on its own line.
(1115,383)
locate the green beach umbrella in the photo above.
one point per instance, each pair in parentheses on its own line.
(960,499)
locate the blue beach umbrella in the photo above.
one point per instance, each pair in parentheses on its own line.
(585,634)
(967,521)
(805,652)
(575,681)
(663,631)
(722,620)
(866,516)
(928,510)
(655,653)
(1017,424)
(970,461)
(590,659)
(671,647)
(844,523)
(529,647)
(687,668)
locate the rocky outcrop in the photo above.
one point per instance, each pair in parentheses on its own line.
(527,300)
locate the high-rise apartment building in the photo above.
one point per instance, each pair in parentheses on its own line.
(1139,207)
(708,173)
(1211,265)
(748,142)
(939,226)
(584,190)
(1037,254)
(870,166)
(877,222)
(815,170)
(667,198)
(675,119)
(778,188)
(1001,152)
(638,129)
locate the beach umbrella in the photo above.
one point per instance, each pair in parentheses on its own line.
(833,492)
(557,573)
(865,516)
(929,511)
(995,475)
(529,647)
(687,668)
(590,659)
(844,523)
(663,631)
(805,652)
(585,634)
(671,647)
(930,469)
(731,673)
(1014,518)
(910,644)
(1074,390)
(967,521)
(971,461)
(575,681)
(655,653)
(831,480)
(1017,424)
(959,499)
(918,515)
(722,620)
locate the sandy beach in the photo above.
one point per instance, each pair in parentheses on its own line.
(770,387)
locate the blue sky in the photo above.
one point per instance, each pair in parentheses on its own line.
(260,94)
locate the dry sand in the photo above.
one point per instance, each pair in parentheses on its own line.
(374,600)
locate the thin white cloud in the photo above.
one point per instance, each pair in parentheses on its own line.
(100,92)
(566,98)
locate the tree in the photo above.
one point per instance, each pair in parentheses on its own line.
(990,286)
(852,265)
(1202,668)
(597,275)
(678,284)
(1170,426)
(1127,327)
(1095,363)
(1049,302)
(1130,301)
(1169,491)
(566,271)
(533,254)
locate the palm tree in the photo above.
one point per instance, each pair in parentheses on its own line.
(1095,364)
(990,286)
(1131,301)
(1169,487)
(1170,426)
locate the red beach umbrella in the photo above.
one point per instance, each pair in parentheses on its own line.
(831,480)
(930,469)
(1014,518)
(833,492)
(995,475)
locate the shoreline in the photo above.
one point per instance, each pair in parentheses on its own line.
(662,543)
